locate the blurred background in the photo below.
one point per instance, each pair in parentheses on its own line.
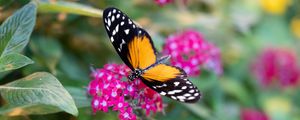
(258,42)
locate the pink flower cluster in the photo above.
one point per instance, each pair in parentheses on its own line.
(252,114)
(111,89)
(189,50)
(163,2)
(276,64)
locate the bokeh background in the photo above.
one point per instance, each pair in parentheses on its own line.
(258,42)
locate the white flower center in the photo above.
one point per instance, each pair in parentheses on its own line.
(173,46)
(162,1)
(114,94)
(109,77)
(106,86)
(120,105)
(126,115)
(129,88)
(97,88)
(118,86)
(100,74)
(104,103)
(187,69)
(96,103)
(147,106)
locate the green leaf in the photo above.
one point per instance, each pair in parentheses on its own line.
(80,96)
(38,93)
(16,30)
(13,61)
(273,30)
(201,111)
(68,7)
(48,50)
(71,68)
(236,89)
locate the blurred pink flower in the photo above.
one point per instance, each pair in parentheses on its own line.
(189,50)
(252,114)
(110,89)
(163,2)
(276,64)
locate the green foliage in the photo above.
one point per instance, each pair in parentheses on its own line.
(38,93)
(68,7)
(16,30)
(79,96)
(69,37)
(14,36)
(48,50)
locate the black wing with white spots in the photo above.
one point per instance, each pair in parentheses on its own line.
(121,30)
(179,88)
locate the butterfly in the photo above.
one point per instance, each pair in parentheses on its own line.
(135,47)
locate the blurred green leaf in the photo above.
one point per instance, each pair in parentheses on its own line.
(158,41)
(200,111)
(13,117)
(48,50)
(68,7)
(38,93)
(80,96)
(244,14)
(206,81)
(13,61)
(273,30)
(5,3)
(71,68)
(235,89)
(16,30)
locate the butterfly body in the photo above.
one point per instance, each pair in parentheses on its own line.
(135,47)
(138,72)
(135,74)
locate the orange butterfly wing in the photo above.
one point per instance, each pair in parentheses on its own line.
(141,52)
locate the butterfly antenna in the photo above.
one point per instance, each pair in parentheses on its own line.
(164,59)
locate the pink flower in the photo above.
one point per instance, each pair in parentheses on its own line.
(149,106)
(100,103)
(120,104)
(111,89)
(95,103)
(130,90)
(189,50)
(93,87)
(163,2)
(276,64)
(252,114)
(127,115)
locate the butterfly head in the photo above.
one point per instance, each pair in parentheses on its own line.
(135,74)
